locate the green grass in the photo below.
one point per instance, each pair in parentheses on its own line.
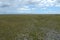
(17,27)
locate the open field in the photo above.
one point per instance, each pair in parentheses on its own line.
(29,27)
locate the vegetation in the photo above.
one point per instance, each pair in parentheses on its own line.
(28,27)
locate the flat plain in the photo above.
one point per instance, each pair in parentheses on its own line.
(30,27)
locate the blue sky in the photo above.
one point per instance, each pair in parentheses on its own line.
(29,6)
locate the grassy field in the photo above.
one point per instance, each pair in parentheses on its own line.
(29,27)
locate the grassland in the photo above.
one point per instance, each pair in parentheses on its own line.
(29,27)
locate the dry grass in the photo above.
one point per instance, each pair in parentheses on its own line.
(28,27)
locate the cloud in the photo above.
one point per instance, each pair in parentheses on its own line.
(24,5)
(57,3)
(39,3)
(23,9)
(36,3)
(25,2)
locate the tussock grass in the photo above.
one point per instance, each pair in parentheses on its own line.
(27,27)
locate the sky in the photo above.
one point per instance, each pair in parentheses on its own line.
(30,6)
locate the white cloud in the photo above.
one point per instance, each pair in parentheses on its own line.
(58,5)
(23,8)
(24,4)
